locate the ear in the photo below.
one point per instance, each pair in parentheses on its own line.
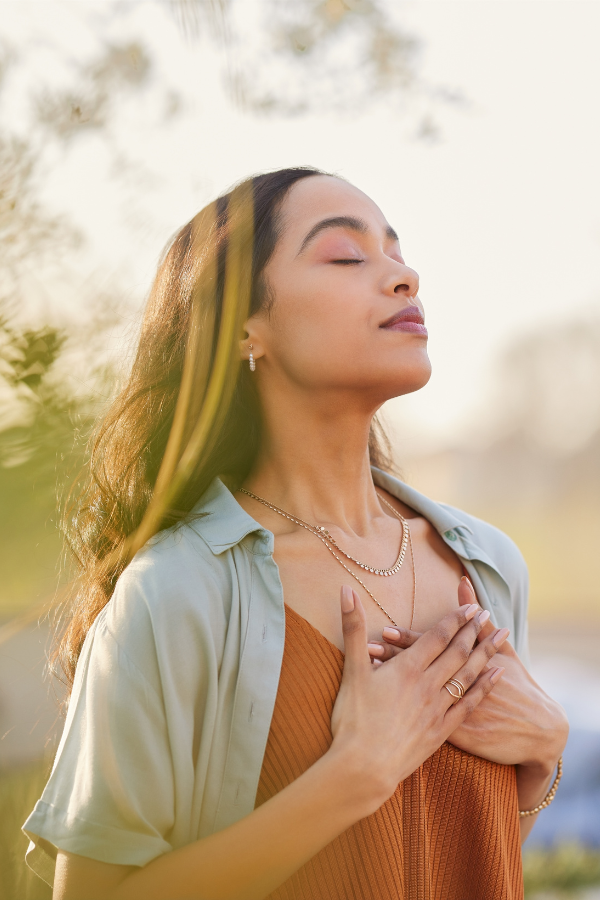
(253,340)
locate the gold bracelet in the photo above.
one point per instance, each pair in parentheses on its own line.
(549,796)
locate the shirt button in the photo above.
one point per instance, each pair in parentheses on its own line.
(450,535)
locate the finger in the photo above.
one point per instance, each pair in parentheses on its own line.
(460,647)
(466,595)
(400,637)
(457,713)
(382,652)
(478,662)
(354,629)
(466,592)
(435,642)
(394,641)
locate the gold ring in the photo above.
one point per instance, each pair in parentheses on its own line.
(457,697)
(454,683)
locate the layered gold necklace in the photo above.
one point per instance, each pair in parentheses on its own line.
(329,541)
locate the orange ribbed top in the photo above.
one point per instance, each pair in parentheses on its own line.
(449,832)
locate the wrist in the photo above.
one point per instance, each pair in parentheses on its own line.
(362,782)
(550,746)
(539,770)
(527,791)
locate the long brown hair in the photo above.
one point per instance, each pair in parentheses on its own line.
(189,411)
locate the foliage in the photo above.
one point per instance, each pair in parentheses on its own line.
(274,58)
(310,54)
(326,54)
(40,447)
(564,870)
(27,232)
(89,106)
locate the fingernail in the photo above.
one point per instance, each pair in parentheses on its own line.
(497,674)
(483,616)
(375,649)
(347,599)
(376,663)
(392,633)
(500,637)
(470,611)
(468,580)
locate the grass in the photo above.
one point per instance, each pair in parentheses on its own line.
(560,872)
(19,790)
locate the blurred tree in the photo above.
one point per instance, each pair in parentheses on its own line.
(89,105)
(40,425)
(41,411)
(310,54)
(28,235)
(277,58)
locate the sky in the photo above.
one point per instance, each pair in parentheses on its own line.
(500,216)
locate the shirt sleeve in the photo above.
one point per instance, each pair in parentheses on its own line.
(111,793)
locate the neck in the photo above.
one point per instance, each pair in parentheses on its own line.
(314,462)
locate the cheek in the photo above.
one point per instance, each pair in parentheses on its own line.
(320,320)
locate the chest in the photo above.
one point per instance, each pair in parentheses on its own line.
(424,590)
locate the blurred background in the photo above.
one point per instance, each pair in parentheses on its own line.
(475,127)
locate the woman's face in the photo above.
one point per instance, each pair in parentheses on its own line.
(346,314)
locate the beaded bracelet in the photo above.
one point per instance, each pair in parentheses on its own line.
(549,796)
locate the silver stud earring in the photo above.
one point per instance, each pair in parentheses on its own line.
(251,361)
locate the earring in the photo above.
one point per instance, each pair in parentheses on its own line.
(251,361)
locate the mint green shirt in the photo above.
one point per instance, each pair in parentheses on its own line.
(176,683)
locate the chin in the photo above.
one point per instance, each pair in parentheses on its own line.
(407,379)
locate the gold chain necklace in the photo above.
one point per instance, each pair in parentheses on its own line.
(323,533)
(320,533)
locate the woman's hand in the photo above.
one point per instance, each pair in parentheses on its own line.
(390,718)
(519,724)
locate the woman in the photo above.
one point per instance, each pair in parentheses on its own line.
(223,743)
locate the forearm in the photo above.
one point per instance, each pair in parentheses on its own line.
(255,855)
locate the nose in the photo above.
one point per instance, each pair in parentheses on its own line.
(401,279)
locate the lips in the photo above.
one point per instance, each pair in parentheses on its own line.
(408,319)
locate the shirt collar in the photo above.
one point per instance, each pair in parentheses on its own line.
(223,523)
(441,517)
(452,527)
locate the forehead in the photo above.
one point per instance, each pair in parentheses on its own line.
(323,197)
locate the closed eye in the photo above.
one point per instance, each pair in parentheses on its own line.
(346,262)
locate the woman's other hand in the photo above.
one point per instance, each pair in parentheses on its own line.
(520,724)
(390,718)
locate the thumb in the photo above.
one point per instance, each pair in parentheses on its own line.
(467,595)
(354,629)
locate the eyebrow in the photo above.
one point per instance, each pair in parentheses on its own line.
(350,223)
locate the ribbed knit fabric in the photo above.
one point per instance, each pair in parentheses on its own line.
(449,832)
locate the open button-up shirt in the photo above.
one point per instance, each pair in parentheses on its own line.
(176,683)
